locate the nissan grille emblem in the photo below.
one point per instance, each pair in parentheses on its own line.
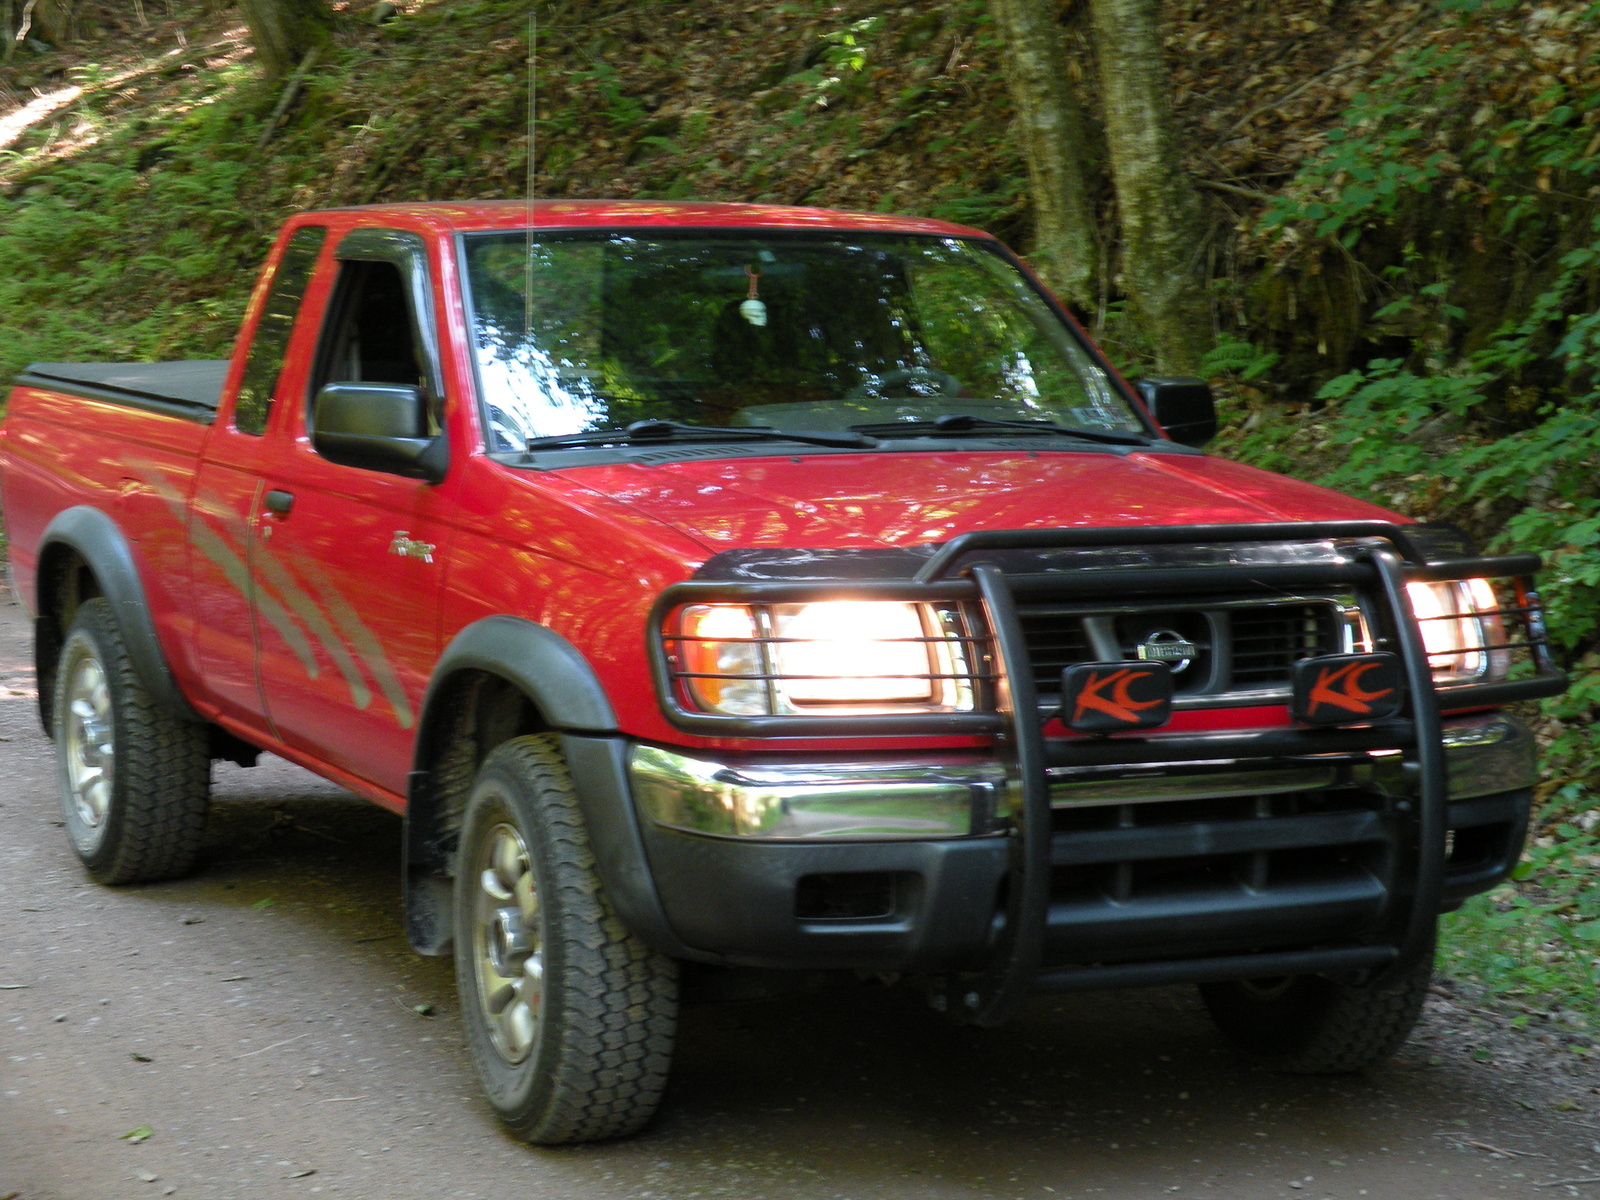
(1168,646)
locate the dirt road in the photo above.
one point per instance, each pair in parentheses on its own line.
(264,1021)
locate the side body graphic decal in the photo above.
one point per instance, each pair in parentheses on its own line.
(305,615)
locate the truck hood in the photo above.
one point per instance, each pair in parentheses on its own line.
(902,499)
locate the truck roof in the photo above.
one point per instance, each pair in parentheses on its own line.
(474,215)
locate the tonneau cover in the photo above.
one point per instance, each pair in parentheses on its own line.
(195,383)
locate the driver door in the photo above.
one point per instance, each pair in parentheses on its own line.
(357,555)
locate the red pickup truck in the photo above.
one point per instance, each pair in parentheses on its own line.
(733,595)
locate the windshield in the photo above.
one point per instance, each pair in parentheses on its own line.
(592,331)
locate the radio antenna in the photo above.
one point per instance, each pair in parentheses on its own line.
(533,140)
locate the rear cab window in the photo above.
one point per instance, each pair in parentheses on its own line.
(264,363)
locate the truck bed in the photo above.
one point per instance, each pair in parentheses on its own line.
(188,389)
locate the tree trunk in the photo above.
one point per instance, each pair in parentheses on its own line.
(285,30)
(55,20)
(1162,217)
(1057,142)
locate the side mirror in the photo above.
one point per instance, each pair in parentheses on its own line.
(378,426)
(1183,407)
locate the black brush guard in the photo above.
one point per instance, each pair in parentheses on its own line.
(1384,558)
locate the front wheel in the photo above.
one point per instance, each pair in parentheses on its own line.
(569,1018)
(135,779)
(1308,1025)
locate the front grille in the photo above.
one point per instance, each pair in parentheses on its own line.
(1054,642)
(1269,639)
(1238,648)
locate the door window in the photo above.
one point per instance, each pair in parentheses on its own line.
(372,335)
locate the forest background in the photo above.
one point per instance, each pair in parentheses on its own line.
(1398,239)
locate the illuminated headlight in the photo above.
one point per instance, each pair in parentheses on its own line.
(1462,630)
(845,657)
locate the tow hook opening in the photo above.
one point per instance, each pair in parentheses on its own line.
(853,895)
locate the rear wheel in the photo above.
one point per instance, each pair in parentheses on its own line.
(570,1019)
(1308,1025)
(135,779)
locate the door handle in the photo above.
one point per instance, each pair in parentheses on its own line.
(279,502)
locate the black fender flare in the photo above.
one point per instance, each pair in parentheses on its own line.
(559,682)
(97,539)
(543,665)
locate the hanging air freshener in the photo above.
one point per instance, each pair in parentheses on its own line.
(752,309)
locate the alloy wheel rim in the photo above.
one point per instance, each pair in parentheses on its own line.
(91,748)
(507,952)
(1271,988)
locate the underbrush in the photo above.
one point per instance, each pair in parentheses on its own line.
(133,217)
(1535,941)
(1489,422)
(63,296)
(139,244)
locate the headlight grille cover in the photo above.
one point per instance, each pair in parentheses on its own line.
(838,657)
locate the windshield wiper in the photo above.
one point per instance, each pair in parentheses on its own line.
(968,423)
(647,432)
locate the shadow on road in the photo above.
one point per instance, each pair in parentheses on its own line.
(868,1089)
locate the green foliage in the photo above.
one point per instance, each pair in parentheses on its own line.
(102,259)
(1496,428)
(1395,425)
(841,62)
(1378,155)
(982,209)
(622,110)
(1239,358)
(1382,415)
(1474,7)
(1125,340)
(1507,434)
(1538,936)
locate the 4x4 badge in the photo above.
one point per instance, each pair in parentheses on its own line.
(407,546)
(1108,697)
(1338,689)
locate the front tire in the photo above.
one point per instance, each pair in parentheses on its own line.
(135,779)
(1309,1025)
(569,1018)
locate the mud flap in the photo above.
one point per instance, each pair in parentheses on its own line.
(430,911)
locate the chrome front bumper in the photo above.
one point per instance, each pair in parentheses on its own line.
(855,801)
(951,797)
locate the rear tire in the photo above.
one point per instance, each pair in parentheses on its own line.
(1308,1025)
(569,1018)
(135,779)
